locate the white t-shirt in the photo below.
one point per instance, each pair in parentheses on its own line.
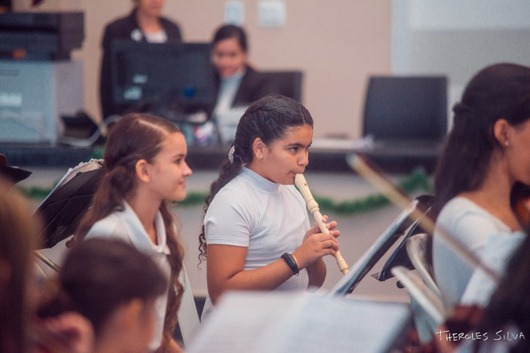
(267,218)
(471,225)
(496,255)
(126,226)
(227,92)
(156,37)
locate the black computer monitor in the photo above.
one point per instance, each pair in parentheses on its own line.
(171,79)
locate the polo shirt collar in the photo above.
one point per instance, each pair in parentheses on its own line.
(140,237)
(259,181)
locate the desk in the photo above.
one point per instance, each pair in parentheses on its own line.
(321,158)
(212,157)
(326,158)
(45,155)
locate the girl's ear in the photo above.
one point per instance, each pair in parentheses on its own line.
(500,131)
(258,148)
(142,170)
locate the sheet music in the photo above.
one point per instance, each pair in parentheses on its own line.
(300,322)
(82,167)
(240,323)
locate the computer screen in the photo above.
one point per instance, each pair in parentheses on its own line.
(406,108)
(167,79)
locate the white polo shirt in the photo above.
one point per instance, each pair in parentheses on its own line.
(126,225)
(267,218)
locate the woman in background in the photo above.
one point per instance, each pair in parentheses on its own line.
(143,24)
(239,84)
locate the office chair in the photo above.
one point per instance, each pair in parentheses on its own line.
(288,82)
(400,108)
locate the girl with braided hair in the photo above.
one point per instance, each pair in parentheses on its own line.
(256,231)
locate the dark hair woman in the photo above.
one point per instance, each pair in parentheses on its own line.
(144,23)
(487,153)
(239,84)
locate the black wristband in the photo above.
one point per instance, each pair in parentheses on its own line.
(291,262)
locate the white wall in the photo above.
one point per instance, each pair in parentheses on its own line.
(336,43)
(458,38)
(340,43)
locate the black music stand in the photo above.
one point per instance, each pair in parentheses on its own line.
(403,225)
(63,208)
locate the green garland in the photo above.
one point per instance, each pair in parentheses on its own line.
(417,180)
(35,193)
